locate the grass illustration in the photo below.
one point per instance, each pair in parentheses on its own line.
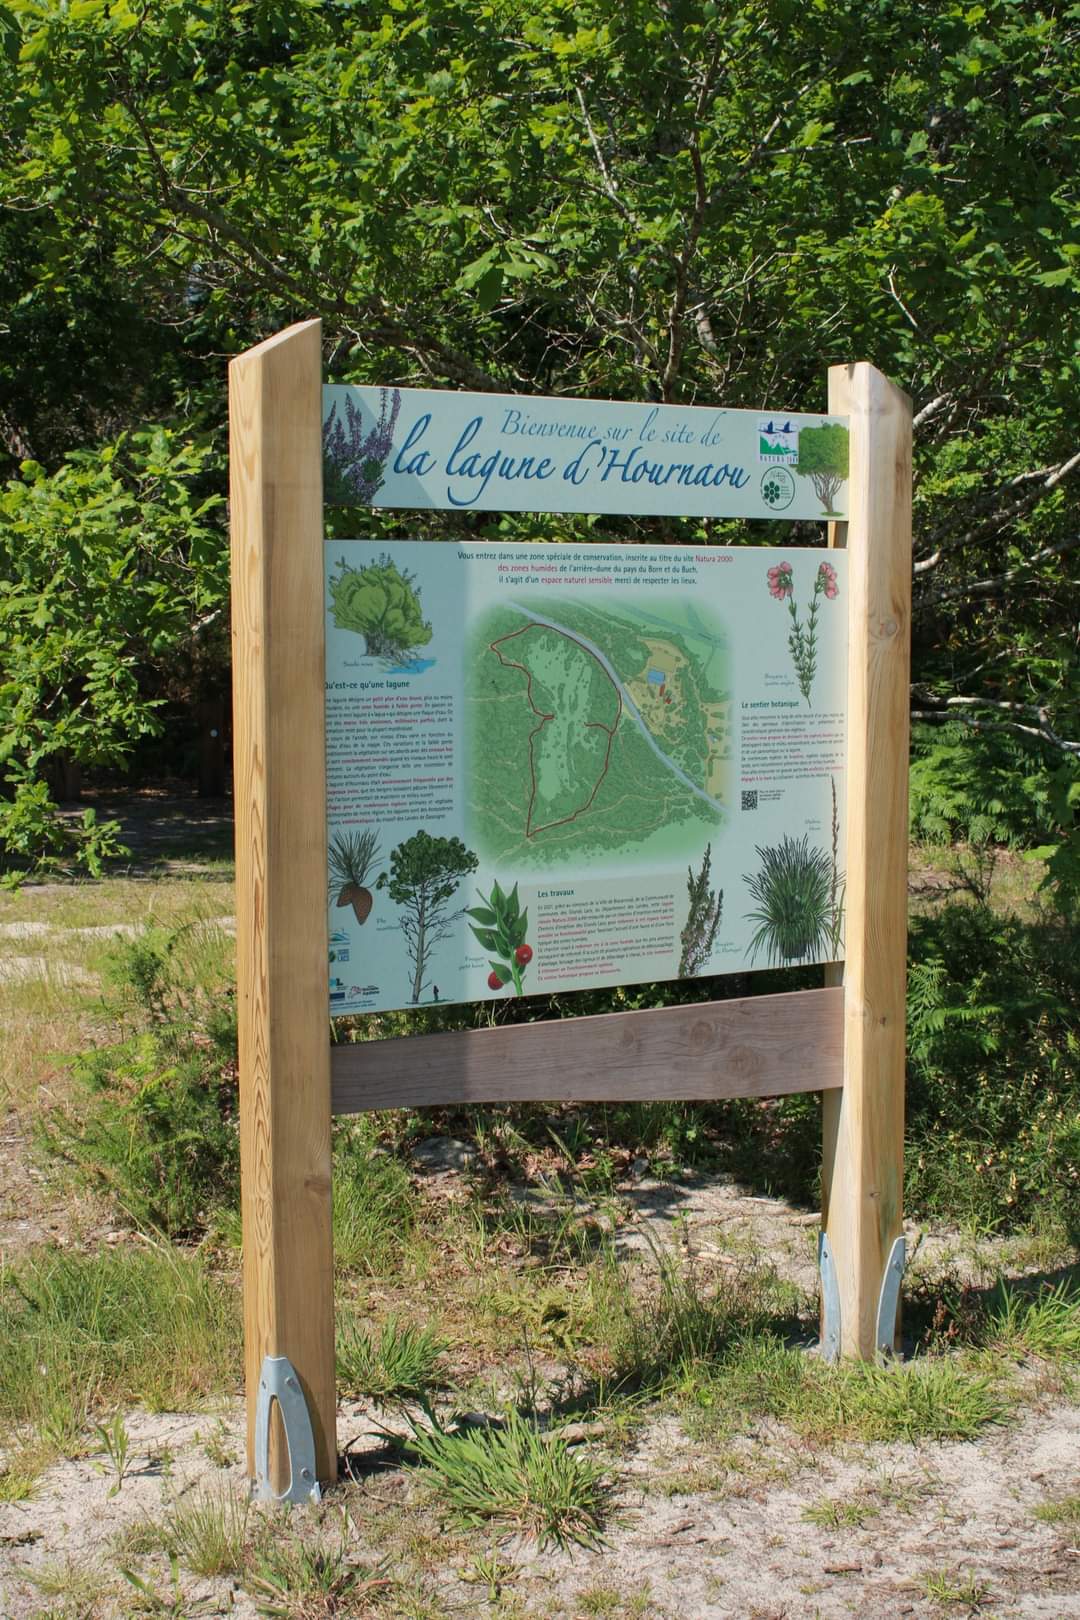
(795,895)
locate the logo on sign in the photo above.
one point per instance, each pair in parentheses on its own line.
(778,442)
(777,488)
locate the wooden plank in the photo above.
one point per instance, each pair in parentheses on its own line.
(757,1046)
(863,1166)
(282,961)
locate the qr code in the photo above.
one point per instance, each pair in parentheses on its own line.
(749,800)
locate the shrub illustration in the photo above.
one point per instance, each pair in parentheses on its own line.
(424,876)
(354,461)
(351,858)
(802,639)
(823,458)
(797,898)
(381,603)
(501,926)
(706,908)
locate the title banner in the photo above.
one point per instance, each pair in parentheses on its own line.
(558,767)
(438,449)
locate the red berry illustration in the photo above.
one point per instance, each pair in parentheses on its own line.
(494,982)
(524,955)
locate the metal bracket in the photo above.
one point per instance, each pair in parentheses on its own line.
(830,1301)
(278,1382)
(889,1298)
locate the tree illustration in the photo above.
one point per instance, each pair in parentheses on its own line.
(424,876)
(706,908)
(823,458)
(381,603)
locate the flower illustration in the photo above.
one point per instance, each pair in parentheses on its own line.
(802,639)
(354,461)
(781,583)
(827,581)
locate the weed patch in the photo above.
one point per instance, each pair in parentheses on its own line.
(399,1363)
(375,1206)
(154,1124)
(79,1332)
(516,1475)
(762,1377)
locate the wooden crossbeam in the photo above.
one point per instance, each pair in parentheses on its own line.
(756,1046)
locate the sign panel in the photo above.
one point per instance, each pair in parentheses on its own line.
(431,448)
(556,767)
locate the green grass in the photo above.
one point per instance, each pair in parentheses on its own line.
(652,1325)
(375,1205)
(80,1333)
(1064,1512)
(398,1363)
(759,1376)
(955,1590)
(842,1513)
(207,1532)
(1045,1324)
(517,1476)
(290,1578)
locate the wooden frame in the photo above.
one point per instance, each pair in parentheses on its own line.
(846,1040)
(756,1046)
(281,931)
(863,1123)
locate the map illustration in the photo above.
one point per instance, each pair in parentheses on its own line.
(598,730)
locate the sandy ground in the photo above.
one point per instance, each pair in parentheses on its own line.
(697,1531)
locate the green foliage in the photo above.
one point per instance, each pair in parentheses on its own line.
(108,569)
(155,1127)
(381,603)
(981,788)
(34,838)
(518,1476)
(400,1363)
(584,202)
(994,1068)
(375,1207)
(759,1376)
(291,1577)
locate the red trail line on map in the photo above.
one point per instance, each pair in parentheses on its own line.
(510,663)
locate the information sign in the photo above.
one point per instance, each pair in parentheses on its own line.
(557,767)
(427,448)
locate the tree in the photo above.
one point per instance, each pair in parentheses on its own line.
(424,876)
(380,602)
(606,199)
(823,458)
(111,574)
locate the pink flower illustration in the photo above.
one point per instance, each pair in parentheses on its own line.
(802,638)
(781,583)
(827,580)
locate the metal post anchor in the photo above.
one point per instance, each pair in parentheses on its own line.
(830,1301)
(278,1382)
(889,1298)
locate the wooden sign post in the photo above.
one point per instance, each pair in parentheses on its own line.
(846,1040)
(281,936)
(863,1165)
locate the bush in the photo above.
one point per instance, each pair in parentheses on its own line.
(156,1126)
(994,1065)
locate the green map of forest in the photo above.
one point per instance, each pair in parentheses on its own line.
(594,731)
